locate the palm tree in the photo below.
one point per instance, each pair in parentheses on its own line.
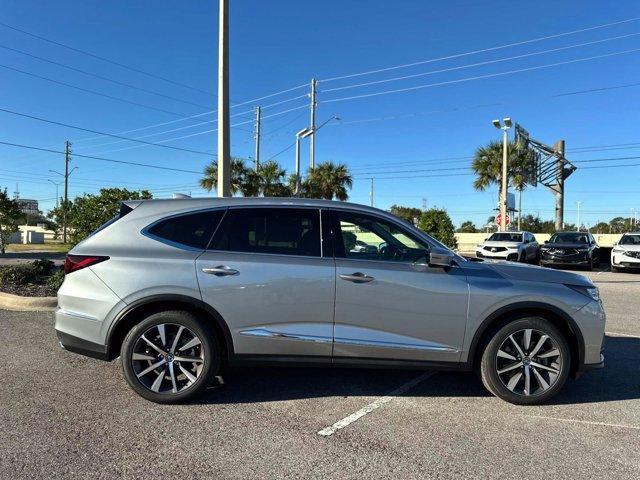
(239,177)
(328,180)
(487,165)
(272,177)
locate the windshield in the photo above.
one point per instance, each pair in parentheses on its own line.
(569,238)
(630,240)
(506,237)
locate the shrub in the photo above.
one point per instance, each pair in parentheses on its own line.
(54,282)
(18,274)
(43,267)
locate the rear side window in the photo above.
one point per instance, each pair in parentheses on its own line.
(284,231)
(191,230)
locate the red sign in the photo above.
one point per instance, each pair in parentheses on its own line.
(499,220)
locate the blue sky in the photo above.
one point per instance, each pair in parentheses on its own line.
(397,138)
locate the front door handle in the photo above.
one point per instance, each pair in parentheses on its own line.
(220,271)
(357,277)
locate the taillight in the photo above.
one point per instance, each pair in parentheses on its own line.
(78,262)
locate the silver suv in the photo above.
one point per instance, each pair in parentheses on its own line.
(180,289)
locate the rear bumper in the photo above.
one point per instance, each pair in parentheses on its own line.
(82,346)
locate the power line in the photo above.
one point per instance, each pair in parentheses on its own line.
(488,62)
(197,115)
(479,77)
(207,131)
(93,92)
(107,79)
(90,157)
(113,62)
(289,147)
(203,123)
(75,127)
(490,49)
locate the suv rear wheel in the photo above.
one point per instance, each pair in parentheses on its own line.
(170,357)
(526,362)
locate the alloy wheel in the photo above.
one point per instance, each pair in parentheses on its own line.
(529,362)
(168,358)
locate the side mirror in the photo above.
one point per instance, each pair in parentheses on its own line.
(546,241)
(439,257)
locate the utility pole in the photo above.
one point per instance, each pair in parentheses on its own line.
(312,124)
(67,154)
(579,215)
(257,135)
(371,191)
(519,209)
(560,148)
(505,179)
(224,144)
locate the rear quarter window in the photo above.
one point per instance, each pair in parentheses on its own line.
(192,230)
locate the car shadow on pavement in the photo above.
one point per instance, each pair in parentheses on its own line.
(619,380)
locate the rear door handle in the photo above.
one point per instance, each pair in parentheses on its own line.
(357,277)
(220,271)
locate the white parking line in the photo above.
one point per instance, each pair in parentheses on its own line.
(585,422)
(328,431)
(615,334)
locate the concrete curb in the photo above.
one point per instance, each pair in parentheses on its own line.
(27,304)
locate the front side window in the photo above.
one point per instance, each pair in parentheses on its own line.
(283,231)
(364,237)
(191,230)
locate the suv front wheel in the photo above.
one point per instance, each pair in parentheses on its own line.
(170,357)
(526,362)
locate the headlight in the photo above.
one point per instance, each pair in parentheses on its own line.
(582,250)
(512,248)
(618,250)
(591,292)
(479,246)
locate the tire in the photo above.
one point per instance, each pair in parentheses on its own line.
(545,382)
(173,380)
(615,269)
(590,265)
(522,257)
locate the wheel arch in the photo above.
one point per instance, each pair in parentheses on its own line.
(138,310)
(506,314)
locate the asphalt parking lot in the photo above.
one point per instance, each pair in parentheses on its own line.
(67,416)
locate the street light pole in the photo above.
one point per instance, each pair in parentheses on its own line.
(579,215)
(56,185)
(505,180)
(224,158)
(305,132)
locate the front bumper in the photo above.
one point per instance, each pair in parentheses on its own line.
(506,255)
(620,260)
(547,258)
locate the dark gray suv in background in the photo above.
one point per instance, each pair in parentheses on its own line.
(179,289)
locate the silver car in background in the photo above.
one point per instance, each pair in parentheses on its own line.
(513,246)
(180,289)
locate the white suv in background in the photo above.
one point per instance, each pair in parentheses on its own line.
(626,253)
(514,246)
